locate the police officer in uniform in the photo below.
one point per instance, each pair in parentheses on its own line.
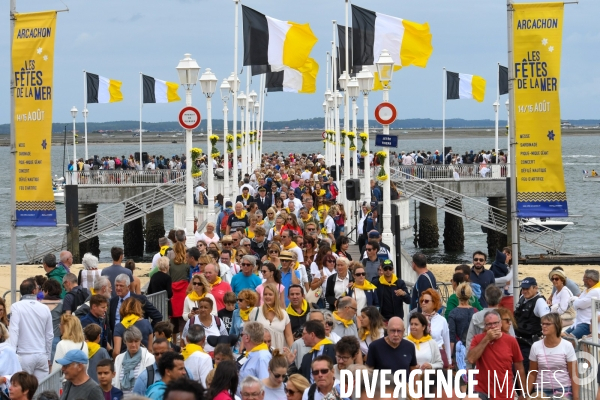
(530,309)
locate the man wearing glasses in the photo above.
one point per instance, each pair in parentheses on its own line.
(313,335)
(391,292)
(293,199)
(530,309)
(257,364)
(343,318)
(289,276)
(247,279)
(495,354)
(483,277)
(393,352)
(325,385)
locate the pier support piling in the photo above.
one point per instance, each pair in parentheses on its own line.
(495,239)
(454,233)
(155,229)
(91,245)
(133,235)
(428,226)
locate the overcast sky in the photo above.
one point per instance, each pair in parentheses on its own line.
(120,38)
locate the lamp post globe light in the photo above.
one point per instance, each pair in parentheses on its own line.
(225,90)
(353,90)
(385,68)
(242,105)
(74,174)
(234,84)
(188,71)
(366,80)
(208,82)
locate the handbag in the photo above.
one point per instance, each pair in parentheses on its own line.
(313,296)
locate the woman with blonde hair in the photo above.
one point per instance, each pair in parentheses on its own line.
(200,288)
(247,299)
(269,220)
(179,273)
(561,298)
(209,235)
(295,387)
(71,339)
(273,385)
(90,272)
(274,318)
(131,315)
(459,318)
(3,312)
(249,231)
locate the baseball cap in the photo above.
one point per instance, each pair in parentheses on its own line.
(528,282)
(387,263)
(374,204)
(373,234)
(228,204)
(73,356)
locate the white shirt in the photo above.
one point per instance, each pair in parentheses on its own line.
(30,328)
(341,285)
(212,330)
(560,300)
(583,306)
(553,361)
(329,224)
(251,190)
(306,174)
(199,189)
(297,204)
(298,252)
(151,166)
(441,333)
(199,364)
(314,271)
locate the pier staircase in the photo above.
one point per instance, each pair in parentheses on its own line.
(473,210)
(112,216)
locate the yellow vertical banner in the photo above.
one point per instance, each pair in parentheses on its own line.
(33,67)
(537,45)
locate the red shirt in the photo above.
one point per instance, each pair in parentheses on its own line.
(499,356)
(218,291)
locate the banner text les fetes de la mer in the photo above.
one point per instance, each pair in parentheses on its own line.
(29,82)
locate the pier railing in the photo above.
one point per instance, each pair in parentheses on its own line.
(449,172)
(160,300)
(52,382)
(124,177)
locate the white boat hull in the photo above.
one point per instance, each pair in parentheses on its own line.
(588,178)
(59,196)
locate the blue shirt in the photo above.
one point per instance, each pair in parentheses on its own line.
(90,319)
(257,365)
(286,281)
(240,282)
(194,270)
(484,279)
(118,312)
(141,382)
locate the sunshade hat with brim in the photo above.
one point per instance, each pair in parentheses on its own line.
(557,272)
(286,256)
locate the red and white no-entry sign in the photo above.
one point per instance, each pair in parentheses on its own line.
(385,113)
(189,118)
(324,135)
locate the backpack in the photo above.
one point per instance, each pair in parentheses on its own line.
(80,296)
(117,162)
(224,221)
(333,190)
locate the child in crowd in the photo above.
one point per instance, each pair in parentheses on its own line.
(226,314)
(164,329)
(106,372)
(96,353)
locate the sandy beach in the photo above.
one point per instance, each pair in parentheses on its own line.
(443,273)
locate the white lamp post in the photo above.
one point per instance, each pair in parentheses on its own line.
(188,70)
(496,106)
(365,84)
(328,125)
(234,84)
(353,90)
(332,153)
(242,105)
(385,68)
(338,140)
(74,175)
(84,112)
(325,130)
(225,89)
(344,80)
(251,99)
(257,156)
(208,82)
(507,128)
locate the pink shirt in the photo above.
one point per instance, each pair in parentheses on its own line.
(224,395)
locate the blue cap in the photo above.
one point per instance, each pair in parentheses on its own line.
(528,282)
(374,204)
(373,234)
(73,356)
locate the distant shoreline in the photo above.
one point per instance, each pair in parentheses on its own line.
(288,136)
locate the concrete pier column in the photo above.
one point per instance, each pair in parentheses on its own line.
(428,226)
(155,229)
(454,233)
(496,240)
(133,235)
(90,245)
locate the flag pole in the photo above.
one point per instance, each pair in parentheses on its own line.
(141,105)
(496,106)
(262,115)
(514,228)
(327,127)
(246,132)
(347,128)
(444,116)
(336,109)
(84,113)
(13,158)
(234,187)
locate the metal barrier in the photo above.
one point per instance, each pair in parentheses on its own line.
(161,302)
(124,177)
(52,382)
(587,361)
(8,292)
(446,172)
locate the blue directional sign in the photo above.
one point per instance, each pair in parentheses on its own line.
(386,141)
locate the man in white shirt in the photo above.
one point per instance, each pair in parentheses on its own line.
(196,360)
(583,304)
(292,197)
(199,193)
(31,331)
(151,165)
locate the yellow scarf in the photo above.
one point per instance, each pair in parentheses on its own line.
(244,314)
(346,322)
(417,342)
(249,234)
(596,286)
(291,312)
(365,286)
(311,210)
(190,349)
(292,245)
(245,197)
(365,335)
(307,219)
(317,346)
(320,193)
(92,291)
(242,214)
(217,282)
(129,320)
(163,250)
(383,281)
(195,296)
(92,349)
(262,346)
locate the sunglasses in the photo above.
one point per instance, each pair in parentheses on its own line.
(277,376)
(246,264)
(479,259)
(264,272)
(360,274)
(240,300)
(329,260)
(556,279)
(329,323)
(425,301)
(226,243)
(196,284)
(290,392)
(369,248)
(273,252)
(322,371)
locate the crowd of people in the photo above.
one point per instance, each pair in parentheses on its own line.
(271,303)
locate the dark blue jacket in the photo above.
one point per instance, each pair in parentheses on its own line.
(484,279)
(391,305)
(372,298)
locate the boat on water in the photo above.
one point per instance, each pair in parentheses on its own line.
(590,176)
(541,224)
(58,187)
